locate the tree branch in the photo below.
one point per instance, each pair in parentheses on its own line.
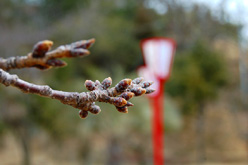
(42,58)
(85,101)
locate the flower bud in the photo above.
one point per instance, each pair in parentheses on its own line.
(138,91)
(138,80)
(129,104)
(95,109)
(41,48)
(123,84)
(106,83)
(97,83)
(123,109)
(127,95)
(118,101)
(55,62)
(90,85)
(83,114)
(79,52)
(149,90)
(85,44)
(146,84)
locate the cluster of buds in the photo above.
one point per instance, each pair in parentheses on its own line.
(42,57)
(119,95)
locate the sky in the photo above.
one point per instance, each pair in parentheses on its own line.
(236,9)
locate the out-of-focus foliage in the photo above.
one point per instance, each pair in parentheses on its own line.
(55,9)
(172,116)
(197,76)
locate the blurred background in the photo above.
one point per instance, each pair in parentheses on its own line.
(206,105)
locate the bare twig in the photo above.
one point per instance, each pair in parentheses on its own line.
(42,58)
(85,101)
(99,92)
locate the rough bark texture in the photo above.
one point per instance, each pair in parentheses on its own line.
(42,58)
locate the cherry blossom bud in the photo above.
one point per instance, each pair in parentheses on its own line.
(106,83)
(41,48)
(138,91)
(97,83)
(129,104)
(85,44)
(127,95)
(78,52)
(55,62)
(83,114)
(118,101)
(123,84)
(146,84)
(95,109)
(90,85)
(149,90)
(123,109)
(138,80)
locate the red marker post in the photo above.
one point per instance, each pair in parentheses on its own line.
(158,55)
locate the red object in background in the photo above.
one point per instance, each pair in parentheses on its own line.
(158,55)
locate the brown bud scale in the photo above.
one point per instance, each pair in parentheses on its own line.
(123,109)
(127,95)
(41,48)
(149,90)
(119,101)
(79,52)
(95,109)
(123,84)
(138,91)
(138,80)
(146,84)
(90,85)
(83,114)
(129,104)
(55,62)
(106,83)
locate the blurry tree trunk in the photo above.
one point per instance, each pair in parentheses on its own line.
(25,148)
(200,131)
(114,152)
(22,136)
